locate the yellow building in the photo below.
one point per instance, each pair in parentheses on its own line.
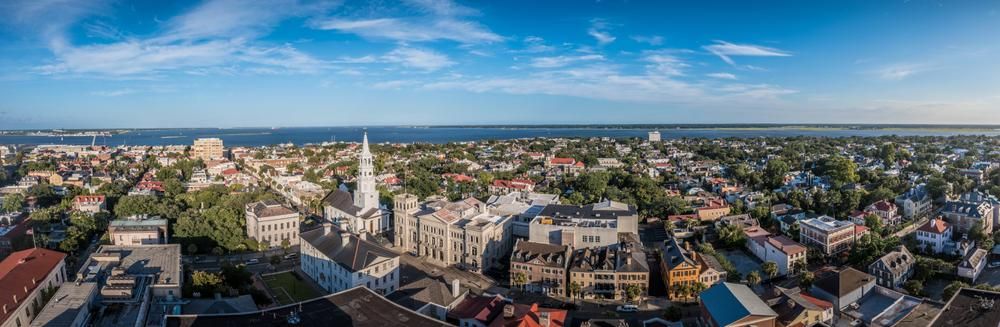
(207,149)
(681,271)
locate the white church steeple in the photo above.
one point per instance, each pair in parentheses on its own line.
(365,195)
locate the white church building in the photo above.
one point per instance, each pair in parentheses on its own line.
(360,212)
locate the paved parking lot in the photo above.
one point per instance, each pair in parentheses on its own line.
(744,262)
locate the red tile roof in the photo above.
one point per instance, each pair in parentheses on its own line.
(528,316)
(786,245)
(88,198)
(883,205)
(21,273)
(562,161)
(939,227)
(818,302)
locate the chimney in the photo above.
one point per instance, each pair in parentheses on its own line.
(345,238)
(327,227)
(455,288)
(543,319)
(508,311)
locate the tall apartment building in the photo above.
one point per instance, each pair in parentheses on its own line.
(609,271)
(543,267)
(270,223)
(590,225)
(463,233)
(338,260)
(654,136)
(969,210)
(207,149)
(830,235)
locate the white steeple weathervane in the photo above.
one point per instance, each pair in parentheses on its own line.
(365,195)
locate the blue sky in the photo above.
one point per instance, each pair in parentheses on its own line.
(225,63)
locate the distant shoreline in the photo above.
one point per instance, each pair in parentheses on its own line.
(649,127)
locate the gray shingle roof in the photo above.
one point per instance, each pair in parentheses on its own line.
(355,255)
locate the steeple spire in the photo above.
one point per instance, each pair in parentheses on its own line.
(364,143)
(365,194)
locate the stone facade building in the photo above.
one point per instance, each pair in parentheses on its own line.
(463,233)
(271,223)
(543,267)
(611,271)
(338,260)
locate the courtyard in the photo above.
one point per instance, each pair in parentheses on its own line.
(288,287)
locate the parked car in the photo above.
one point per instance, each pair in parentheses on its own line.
(291,255)
(627,308)
(252,262)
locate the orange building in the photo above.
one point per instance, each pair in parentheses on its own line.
(681,271)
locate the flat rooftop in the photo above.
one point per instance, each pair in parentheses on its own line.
(66,304)
(359,307)
(162,260)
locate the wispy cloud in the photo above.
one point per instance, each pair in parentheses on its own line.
(648,39)
(422,59)
(725,51)
(534,44)
(599,30)
(722,76)
(214,34)
(897,72)
(441,20)
(113,93)
(665,63)
(560,61)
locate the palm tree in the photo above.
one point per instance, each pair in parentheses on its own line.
(770,269)
(574,289)
(753,278)
(520,279)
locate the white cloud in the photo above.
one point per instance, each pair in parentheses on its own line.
(897,72)
(113,93)
(534,44)
(598,29)
(443,20)
(726,51)
(662,62)
(218,36)
(560,61)
(722,76)
(422,59)
(651,40)
(756,91)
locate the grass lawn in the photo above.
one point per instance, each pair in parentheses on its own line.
(287,288)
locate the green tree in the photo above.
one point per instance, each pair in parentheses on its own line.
(770,269)
(13,202)
(774,173)
(953,288)
(520,279)
(732,235)
(806,280)
(632,291)
(841,171)
(753,278)
(574,289)
(206,282)
(874,223)
(914,287)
